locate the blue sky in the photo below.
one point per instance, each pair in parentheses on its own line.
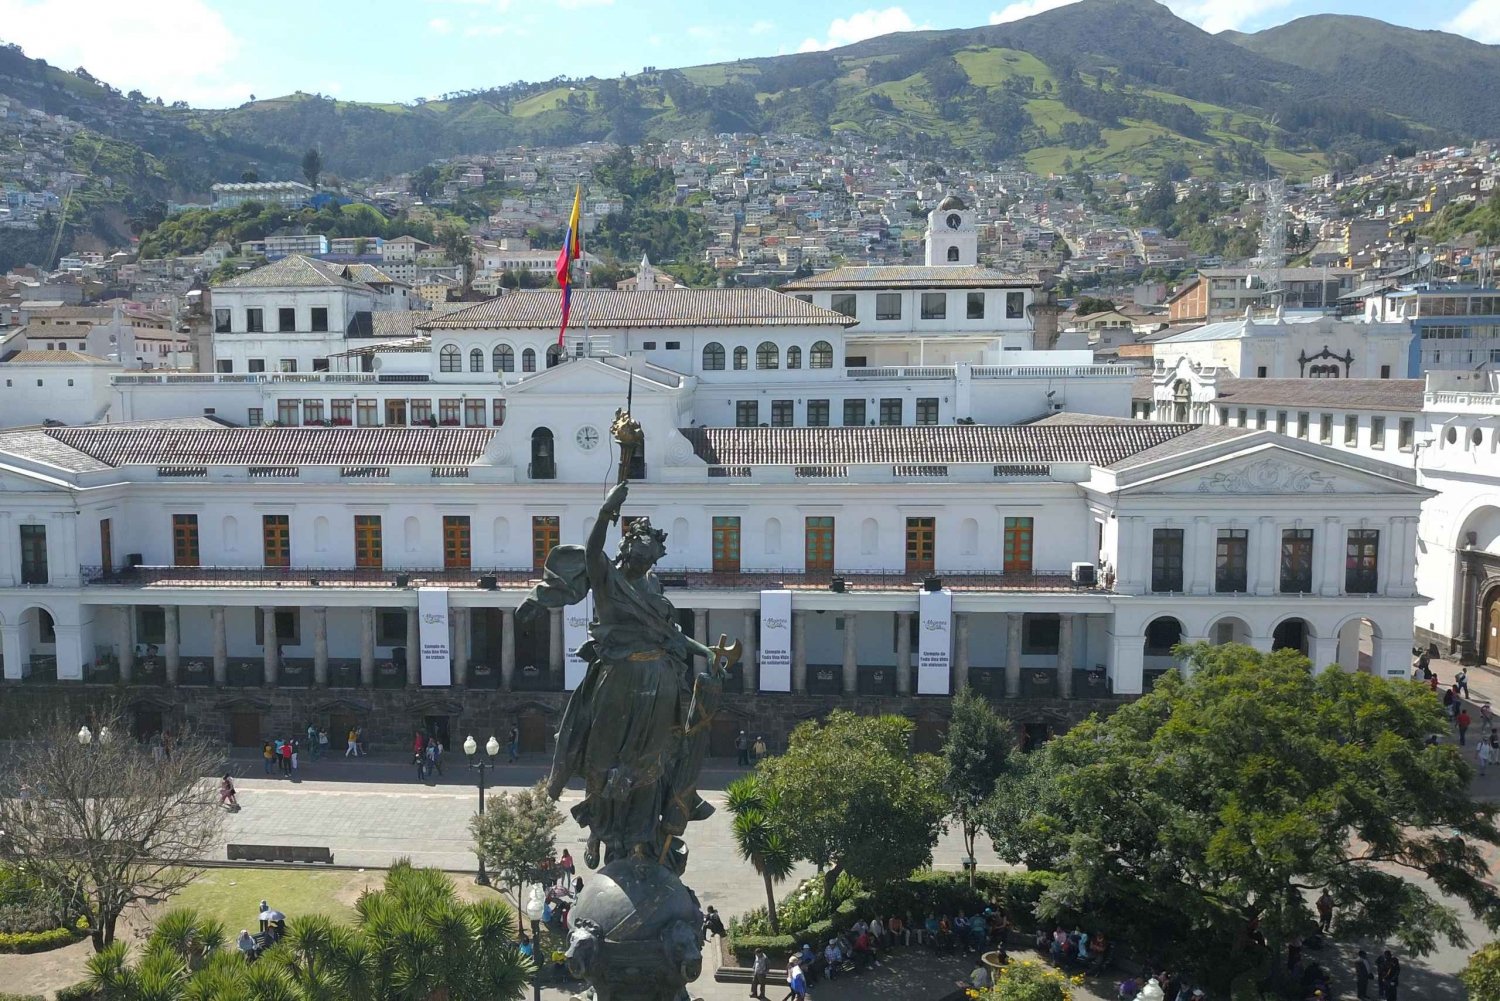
(216,53)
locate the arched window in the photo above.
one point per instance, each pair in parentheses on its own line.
(476,360)
(713,357)
(504,358)
(528,360)
(449,359)
(821,355)
(554,354)
(953,255)
(767,356)
(741,359)
(542,466)
(794,357)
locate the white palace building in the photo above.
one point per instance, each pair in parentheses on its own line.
(873,479)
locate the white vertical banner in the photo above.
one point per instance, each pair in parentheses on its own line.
(432,633)
(776,641)
(934,641)
(576,620)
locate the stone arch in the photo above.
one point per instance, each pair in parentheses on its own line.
(37,629)
(773,537)
(968,537)
(767,356)
(412,533)
(1293,632)
(450,358)
(869,537)
(503,358)
(321,533)
(1228,629)
(231,533)
(501,540)
(554,355)
(528,360)
(1359,642)
(1160,635)
(476,360)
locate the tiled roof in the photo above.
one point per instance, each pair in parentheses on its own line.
(221,446)
(1345,394)
(1200,436)
(371,274)
(40,445)
(911,276)
(1099,443)
(295,271)
(670,307)
(57,358)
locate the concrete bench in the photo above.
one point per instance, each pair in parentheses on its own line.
(280,853)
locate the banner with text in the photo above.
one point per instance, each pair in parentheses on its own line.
(576,620)
(432,633)
(776,641)
(934,641)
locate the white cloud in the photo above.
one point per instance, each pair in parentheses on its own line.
(440,26)
(761,27)
(858,27)
(1217,15)
(1026,8)
(172,49)
(1480,21)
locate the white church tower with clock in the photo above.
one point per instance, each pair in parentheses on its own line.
(951,236)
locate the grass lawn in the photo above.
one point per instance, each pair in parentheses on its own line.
(233,896)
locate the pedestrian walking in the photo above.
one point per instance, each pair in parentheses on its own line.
(1461,681)
(353,747)
(760,748)
(513,746)
(1462,719)
(434,757)
(312,742)
(359,740)
(1325,912)
(1486,755)
(268,753)
(286,757)
(758,973)
(293,757)
(742,750)
(226,795)
(322,743)
(1362,975)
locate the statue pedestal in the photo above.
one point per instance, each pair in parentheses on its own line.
(637,933)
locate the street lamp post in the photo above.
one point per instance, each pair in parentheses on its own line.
(480,765)
(535,906)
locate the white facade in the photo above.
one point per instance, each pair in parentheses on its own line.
(61,386)
(1293,346)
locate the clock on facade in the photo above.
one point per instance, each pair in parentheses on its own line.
(954,221)
(587,437)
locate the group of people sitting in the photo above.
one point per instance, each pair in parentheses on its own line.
(857,948)
(973,933)
(272,928)
(1076,949)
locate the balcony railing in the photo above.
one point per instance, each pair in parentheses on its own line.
(513,577)
(250,378)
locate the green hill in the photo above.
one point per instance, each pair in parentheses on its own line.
(1430,77)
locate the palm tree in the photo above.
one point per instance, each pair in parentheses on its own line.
(758,836)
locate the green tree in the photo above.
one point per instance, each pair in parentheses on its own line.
(758,837)
(312,165)
(853,797)
(458,247)
(515,835)
(1248,788)
(976,753)
(413,940)
(1088,305)
(249,176)
(1481,975)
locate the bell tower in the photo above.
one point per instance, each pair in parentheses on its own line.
(951,236)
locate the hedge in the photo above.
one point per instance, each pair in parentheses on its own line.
(76,992)
(42,941)
(22,997)
(914,898)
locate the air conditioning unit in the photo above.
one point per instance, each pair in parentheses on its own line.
(1055,407)
(1084,574)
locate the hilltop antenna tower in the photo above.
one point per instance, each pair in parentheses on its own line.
(1272,256)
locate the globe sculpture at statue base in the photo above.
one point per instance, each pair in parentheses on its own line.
(635,730)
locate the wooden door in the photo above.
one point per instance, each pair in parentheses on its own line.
(921,544)
(244,729)
(106,547)
(148,723)
(533,727)
(1492,632)
(726,544)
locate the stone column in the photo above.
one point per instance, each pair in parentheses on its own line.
(749,664)
(851,655)
(173,643)
(367,646)
(125,636)
(1198,573)
(903,653)
(960,675)
(1013,654)
(413,650)
(700,626)
(1265,546)
(10,544)
(320,645)
(1065,655)
(221,646)
(1333,544)
(10,651)
(1127,666)
(272,660)
(460,618)
(507,649)
(555,644)
(799,652)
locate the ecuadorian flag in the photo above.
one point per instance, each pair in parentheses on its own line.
(571,251)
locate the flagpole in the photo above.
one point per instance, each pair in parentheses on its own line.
(583,256)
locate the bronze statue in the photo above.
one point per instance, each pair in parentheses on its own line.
(635,731)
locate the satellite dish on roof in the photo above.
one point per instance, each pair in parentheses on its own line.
(1423,260)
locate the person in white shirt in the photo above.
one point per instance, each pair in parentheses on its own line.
(1486,755)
